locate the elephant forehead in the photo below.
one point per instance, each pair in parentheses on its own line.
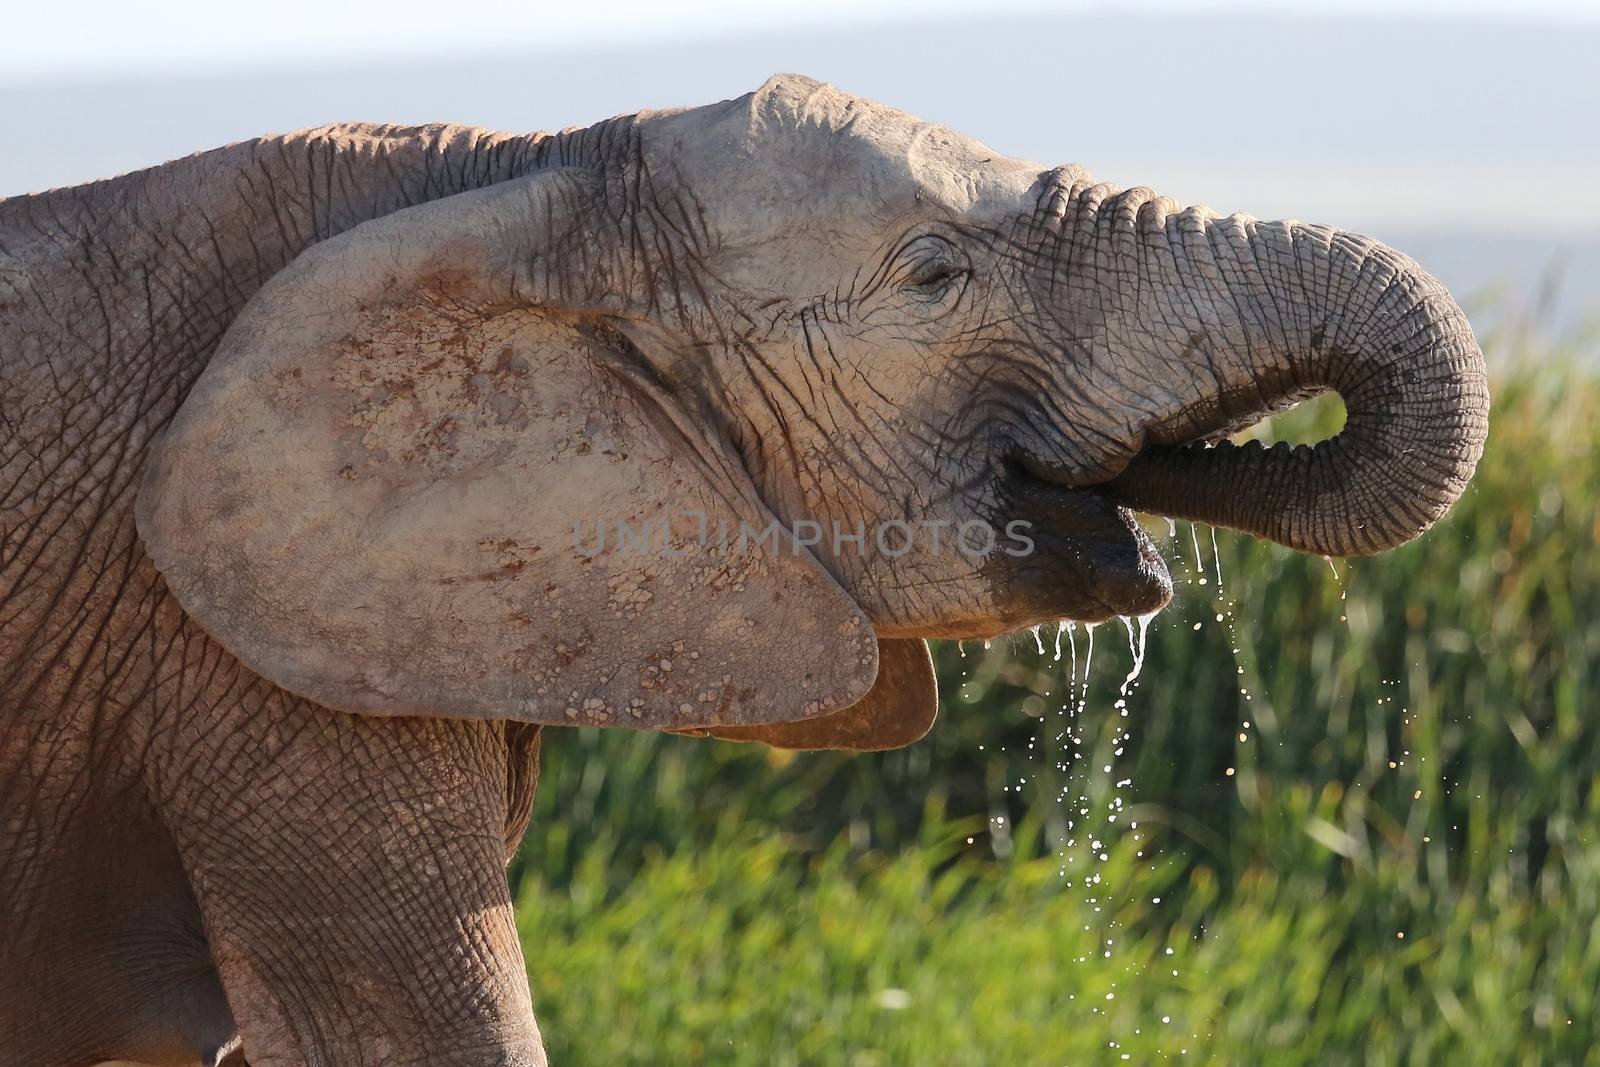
(797,150)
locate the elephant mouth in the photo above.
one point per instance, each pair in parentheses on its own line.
(1091,560)
(1095,560)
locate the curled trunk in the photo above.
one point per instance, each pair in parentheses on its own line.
(1256,316)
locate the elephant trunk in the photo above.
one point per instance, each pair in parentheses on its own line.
(1243,318)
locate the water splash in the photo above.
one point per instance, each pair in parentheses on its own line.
(1091,820)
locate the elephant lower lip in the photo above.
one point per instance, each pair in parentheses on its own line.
(1092,560)
(1132,580)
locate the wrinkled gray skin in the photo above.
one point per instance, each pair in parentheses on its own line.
(797,304)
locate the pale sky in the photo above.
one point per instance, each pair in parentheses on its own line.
(1460,130)
(91,39)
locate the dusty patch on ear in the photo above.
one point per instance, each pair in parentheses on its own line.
(898,710)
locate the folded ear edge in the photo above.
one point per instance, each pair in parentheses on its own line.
(898,710)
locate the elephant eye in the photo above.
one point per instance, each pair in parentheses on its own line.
(934,277)
(931,269)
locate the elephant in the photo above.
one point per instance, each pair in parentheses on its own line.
(338,464)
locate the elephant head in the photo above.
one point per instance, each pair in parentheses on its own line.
(706,422)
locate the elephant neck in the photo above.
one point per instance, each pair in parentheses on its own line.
(167,256)
(124,287)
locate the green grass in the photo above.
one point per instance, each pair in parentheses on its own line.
(1421,758)
(732,955)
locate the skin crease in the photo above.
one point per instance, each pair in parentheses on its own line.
(795,305)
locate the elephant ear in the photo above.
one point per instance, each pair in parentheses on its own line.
(424,474)
(898,710)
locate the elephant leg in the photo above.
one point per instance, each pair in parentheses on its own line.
(102,946)
(350,875)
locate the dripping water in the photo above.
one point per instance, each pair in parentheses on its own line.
(1088,658)
(1072,644)
(1136,645)
(1343,593)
